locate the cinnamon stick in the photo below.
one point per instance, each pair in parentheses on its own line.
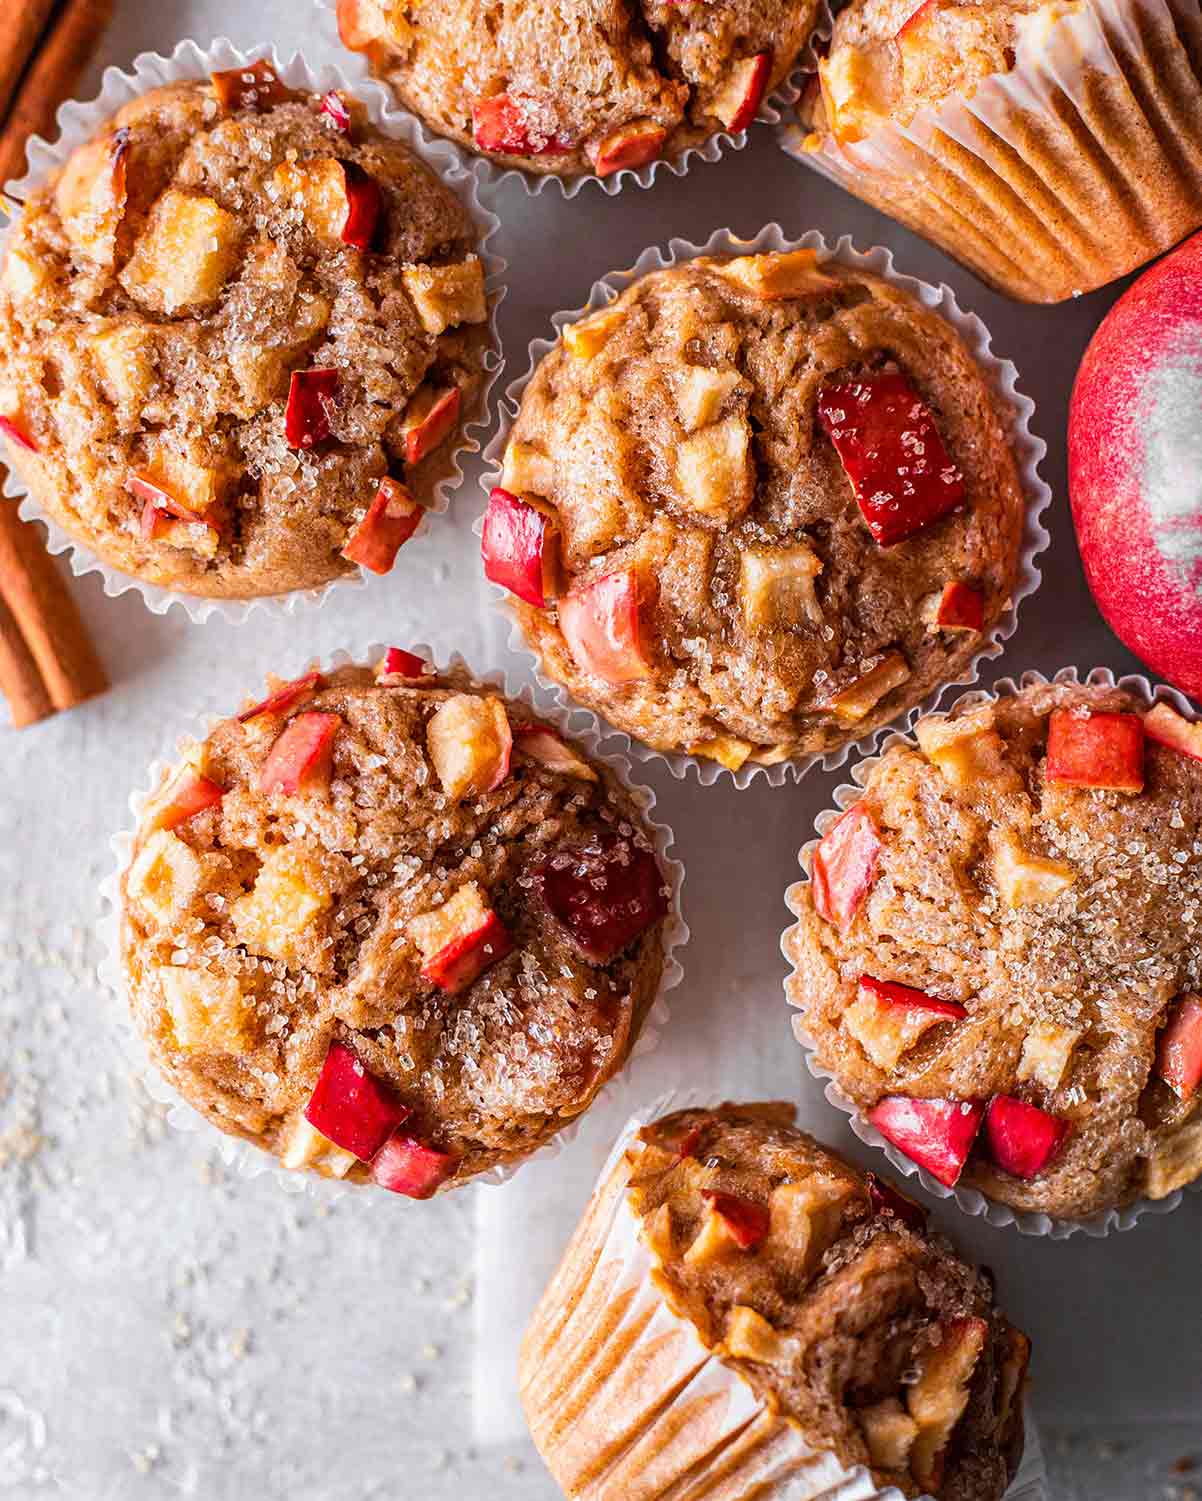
(43,611)
(20,681)
(21,24)
(63,52)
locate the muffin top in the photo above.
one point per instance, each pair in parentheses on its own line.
(998,957)
(756,508)
(238,331)
(822,1286)
(389,927)
(890,58)
(582,86)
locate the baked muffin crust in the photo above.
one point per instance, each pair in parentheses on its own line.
(225,323)
(440,896)
(1052,922)
(583,86)
(679,445)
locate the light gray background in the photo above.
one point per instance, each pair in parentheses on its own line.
(168,1330)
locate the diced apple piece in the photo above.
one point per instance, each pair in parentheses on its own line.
(856,89)
(469,741)
(805,1219)
(777,276)
(959,607)
(1022,1139)
(968,751)
(527,470)
(17,434)
(1025,879)
(335,108)
(601,623)
(299,761)
(209,1013)
(844,866)
(727,750)
(520,547)
(90,196)
(604,894)
(402,666)
(1047,1052)
(26,276)
(630,146)
(658,1234)
(389,522)
(158,525)
(164,876)
(429,420)
(1095,750)
(738,101)
(937,1134)
(701,394)
(861,696)
(405,1165)
(887,1199)
(938,1398)
(888,1019)
(588,337)
(305,1147)
(1176,1161)
(515,125)
(124,359)
(776,586)
(541,743)
(276,914)
(892,453)
(184,255)
(257,87)
(352,1108)
(918,18)
(1165,726)
(311,394)
(174,482)
(889,1433)
(446,296)
(339,200)
(1179,1053)
(749,1336)
(361,23)
(731,1224)
(715,472)
(283,698)
(460,940)
(185,795)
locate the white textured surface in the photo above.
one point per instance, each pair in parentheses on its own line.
(165,1331)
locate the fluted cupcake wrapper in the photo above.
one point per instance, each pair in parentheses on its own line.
(624,1398)
(78,122)
(971,1200)
(250,1161)
(1076,166)
(1014,409)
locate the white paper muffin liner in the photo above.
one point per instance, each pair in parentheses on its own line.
(1016,227)
(972,1200)
(1014,409)
(78,122)
(774,110)
(250,1161)
(709,1409)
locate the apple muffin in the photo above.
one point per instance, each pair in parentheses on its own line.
(742,1313)
(997,952)
(239,333)
(756,508)
(390,927)
(583,86)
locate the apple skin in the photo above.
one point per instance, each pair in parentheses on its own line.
(844,866)
(1135,467)
(407,1166)
(351,1107)
(391,519)
(300,758)
(1097,750)
(886,1199)
(937,1134)
(601,622)
(306,418)
(17,435)
(1022,1138)
(604,894)
(746,1220)
(893,994)
(183,798)
(1179,1053)
(399,663)
(334,108)
(632,146)
(517,544)
(284,698)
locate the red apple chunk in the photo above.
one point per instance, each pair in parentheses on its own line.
(601,623)
(510,125)
(1166,727)
(184,797)
(1022,1138)
(631,146)
(746,1220)
(959,608)
(937,1134)
(890,992)
(283,698)
(299,761)
(405,1165)
(542,744)
(364,202)
(311,393)
(844,866)
(397,663)
(891,452)
(429,418)
(334,107)
(738,103)
(17,435)
(390,520)
(258,87)
(1104,751)
(603,894)
(1179,1054)
(519,546)
(352,1108)
(918,17)
(460,940)
(886,1199)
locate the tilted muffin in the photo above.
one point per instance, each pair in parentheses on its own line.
(1051,145)
(756,508)
(998,955)
(238,333)
(741,1313)
(389,927)
(584,85)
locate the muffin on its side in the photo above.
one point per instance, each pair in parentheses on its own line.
(389,927)
(997,952)
(742,1313)
(583,86)
(239,332)
(756,508)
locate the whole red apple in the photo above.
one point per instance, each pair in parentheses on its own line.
(1135,467)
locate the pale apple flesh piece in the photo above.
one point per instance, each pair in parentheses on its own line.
(1022,878)
(469,742)
(287,899)
(588,337)
(163,876)
(447,296)
(701,394)
(968,751)
(305,1147)
(776,587)
(1047,1053)
(715,473)
(184,254)
(864,693)
(728,750)
(541,743)
(338,200)
(779,276)
(459,940)
(749,1336)
(1164,726)
(91,196)
(738,101)
(209,1013)
(938,1398)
